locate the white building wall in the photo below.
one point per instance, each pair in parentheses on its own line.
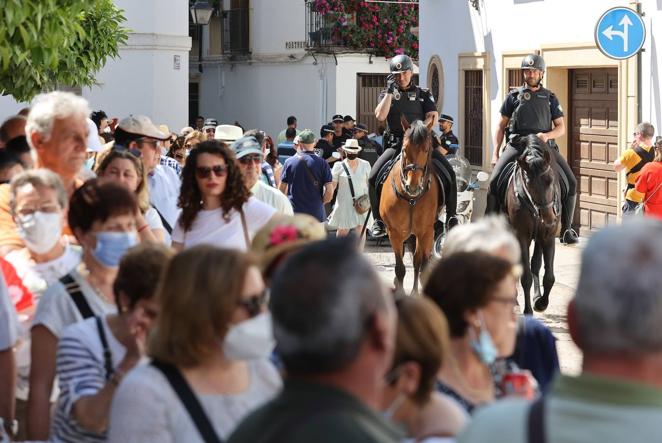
(142,80)
(503,26)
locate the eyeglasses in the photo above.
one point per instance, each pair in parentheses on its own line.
(49,208)
(147,141)
(635,133)
(210,130)
(248,159)
(205,171)
(254,304)
(506,300)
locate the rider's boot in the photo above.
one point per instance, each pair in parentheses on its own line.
(492,203)
(451,208)
(568,235)
(378,229)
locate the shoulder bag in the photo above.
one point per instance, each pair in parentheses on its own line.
(362,203)
(189,400)
(639,209)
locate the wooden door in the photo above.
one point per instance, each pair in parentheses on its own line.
(593,138)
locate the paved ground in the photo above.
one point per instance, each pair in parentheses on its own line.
(566,268)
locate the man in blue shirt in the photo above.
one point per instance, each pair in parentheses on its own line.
(286,149)
(306,179)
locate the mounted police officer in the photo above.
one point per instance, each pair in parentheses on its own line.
(532,109)
(402,97)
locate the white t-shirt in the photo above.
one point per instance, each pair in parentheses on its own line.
(273,197)
(56,309)
(209,227)
(81,372)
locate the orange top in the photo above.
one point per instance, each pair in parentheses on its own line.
(649,183)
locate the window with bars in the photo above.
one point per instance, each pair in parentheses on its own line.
(235,25)
(473,116)
(515,79)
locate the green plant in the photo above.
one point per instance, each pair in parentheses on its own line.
(46,43)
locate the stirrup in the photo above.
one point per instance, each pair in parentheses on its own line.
(569,237)
(378,229)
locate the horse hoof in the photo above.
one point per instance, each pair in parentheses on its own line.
(540,304)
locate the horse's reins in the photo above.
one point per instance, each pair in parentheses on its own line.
(535,207)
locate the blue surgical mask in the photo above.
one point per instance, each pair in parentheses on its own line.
(111,246)
(483,346)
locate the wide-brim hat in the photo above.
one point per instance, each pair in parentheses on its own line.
(351,146)
(284,234)
(142,125)
(228,133)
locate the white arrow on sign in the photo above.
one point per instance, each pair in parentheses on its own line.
(610,33)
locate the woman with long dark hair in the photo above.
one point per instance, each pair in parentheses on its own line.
(217,207)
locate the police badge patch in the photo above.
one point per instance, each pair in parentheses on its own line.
(527,96)
(319,152)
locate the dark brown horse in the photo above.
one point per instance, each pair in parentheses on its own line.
(409,201)
(533,200)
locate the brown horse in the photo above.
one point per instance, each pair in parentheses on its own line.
(409,201)
(533,208)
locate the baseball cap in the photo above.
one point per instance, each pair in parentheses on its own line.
(360,127)
(141,125)
(245,146)
(93,142)
(446,117)
(337,118)
(228,133)
(307,137)
(326,129)
(349,118)
(211,122)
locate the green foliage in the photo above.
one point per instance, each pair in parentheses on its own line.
(46,43)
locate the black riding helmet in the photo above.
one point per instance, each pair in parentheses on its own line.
(533,61)
(401,63)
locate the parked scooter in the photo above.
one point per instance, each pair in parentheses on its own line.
(465,193)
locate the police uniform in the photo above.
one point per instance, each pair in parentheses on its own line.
(414,103)
(531,112)
(448,139)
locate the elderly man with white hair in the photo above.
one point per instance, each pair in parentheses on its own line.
(615,320)
(56,130)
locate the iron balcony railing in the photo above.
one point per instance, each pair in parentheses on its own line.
(236,31)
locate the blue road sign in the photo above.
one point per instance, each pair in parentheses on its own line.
(620,33)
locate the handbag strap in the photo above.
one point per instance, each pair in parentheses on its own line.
(653,193)
(107,355)
(73,289)
(189,400)
(166,225)
(535,429)
(244,225)
(310,174)
(349,178)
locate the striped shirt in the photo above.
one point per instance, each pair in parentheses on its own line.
(81,372)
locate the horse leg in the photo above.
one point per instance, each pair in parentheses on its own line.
(536,264)
(527,278)
(549,248)
(422,256)
(398,245)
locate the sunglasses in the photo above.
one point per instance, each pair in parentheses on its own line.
(254,304)
(205,171)
(248,159)
(210,130)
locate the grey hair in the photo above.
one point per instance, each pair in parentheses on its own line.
(48,107)
(489,234)
(646,129)
(618,303)
(38,177)
(321,302)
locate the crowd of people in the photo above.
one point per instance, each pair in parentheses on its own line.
(162,286)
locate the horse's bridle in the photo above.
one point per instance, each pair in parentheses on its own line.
(535,206)
(406,194)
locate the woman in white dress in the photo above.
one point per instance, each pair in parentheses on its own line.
(344,217)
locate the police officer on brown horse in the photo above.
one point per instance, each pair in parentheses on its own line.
(404,98)
(532,109)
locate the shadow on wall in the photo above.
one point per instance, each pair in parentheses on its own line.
(655,77)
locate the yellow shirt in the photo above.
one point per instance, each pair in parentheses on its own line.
(630,159)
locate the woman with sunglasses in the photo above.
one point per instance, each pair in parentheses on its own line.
(126,169)
(217,208)
(212,335)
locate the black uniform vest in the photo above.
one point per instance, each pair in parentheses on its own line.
(410,105)
(532,113)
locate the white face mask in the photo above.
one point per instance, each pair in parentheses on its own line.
(40,231)
(251,339)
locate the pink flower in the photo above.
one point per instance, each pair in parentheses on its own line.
(283,234)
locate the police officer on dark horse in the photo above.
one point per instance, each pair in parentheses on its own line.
(532,109)
(404,98)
